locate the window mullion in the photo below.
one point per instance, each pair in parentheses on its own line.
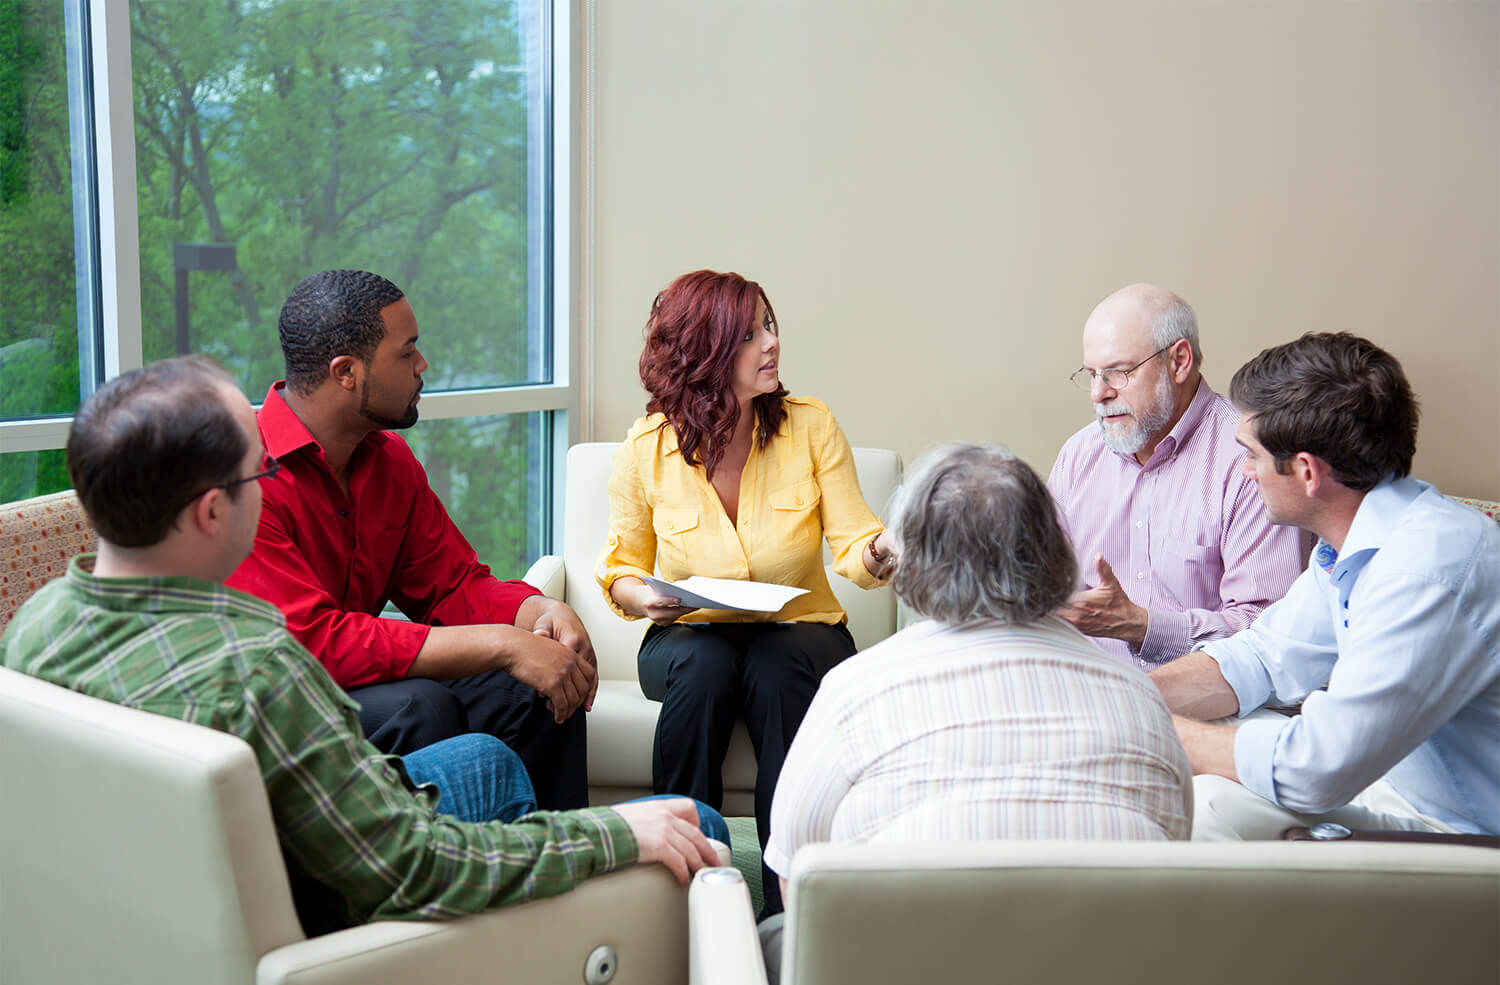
(119,239)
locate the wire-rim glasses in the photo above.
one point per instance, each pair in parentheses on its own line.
(269,467)
(1115,379)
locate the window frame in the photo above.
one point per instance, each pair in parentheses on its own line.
(106,76)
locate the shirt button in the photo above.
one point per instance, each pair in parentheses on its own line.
(1140,574)
(1139,524)
(343,512)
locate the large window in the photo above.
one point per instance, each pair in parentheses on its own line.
(47,318)
(252,142)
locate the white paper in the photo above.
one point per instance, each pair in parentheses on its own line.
(725,593)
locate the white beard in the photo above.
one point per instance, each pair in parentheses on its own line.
(1130,437)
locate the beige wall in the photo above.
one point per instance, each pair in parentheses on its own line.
(935,195)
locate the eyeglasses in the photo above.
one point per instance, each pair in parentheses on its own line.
(1115,379)
(269,467)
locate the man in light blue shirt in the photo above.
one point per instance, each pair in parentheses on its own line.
(1397,615)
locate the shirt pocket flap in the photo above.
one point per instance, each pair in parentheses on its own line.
(802,496)
(1187,554)
(671,522)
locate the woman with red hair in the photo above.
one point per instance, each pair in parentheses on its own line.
(727,476)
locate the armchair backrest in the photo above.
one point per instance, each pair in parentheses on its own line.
(1163,913)
(150,854)
(872,614)
(38,537)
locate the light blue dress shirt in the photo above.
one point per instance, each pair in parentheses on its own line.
(1403,626)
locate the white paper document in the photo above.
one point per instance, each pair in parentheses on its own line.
(726,593)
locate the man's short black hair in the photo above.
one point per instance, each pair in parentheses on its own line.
(332,313)
(1336,396)
(147,440)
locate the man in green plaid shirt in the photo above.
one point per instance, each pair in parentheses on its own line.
(165,461)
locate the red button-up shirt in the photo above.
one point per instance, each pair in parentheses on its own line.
(331,561)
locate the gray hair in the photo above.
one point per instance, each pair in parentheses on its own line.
(1174,319)
(978,538)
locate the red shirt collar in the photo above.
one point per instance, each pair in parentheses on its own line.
(280,428)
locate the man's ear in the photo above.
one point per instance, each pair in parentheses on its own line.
(341,369)
(207,512)
(1312,472)
(1180,361)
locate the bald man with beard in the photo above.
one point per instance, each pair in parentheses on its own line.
(1173,543)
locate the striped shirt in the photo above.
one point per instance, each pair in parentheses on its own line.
(197,651)
(1186,533)
(982,733)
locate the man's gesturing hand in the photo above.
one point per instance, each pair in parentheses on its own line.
(666,831)
(1106,610)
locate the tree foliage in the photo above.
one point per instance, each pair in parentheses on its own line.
(388,135)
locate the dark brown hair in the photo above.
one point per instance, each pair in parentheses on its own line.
(1336,396)
(149,437)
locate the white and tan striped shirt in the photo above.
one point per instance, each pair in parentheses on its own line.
(990,732)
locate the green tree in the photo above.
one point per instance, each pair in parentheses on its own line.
(390,136)
(38,320)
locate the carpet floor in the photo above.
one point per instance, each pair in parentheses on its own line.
(745,849)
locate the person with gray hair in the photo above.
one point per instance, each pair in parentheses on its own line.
(1176,548)
(991,718)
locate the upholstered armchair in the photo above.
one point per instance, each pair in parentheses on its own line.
(1133,913)
(38,537)
(140,849)
(622,725)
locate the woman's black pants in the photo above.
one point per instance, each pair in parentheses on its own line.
(709,676)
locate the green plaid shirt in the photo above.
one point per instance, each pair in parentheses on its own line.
(204,653)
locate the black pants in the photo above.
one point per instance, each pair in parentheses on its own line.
(708,677)
(402,716)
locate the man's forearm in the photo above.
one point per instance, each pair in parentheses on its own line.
(562,670)
(451,652)
(528,611)
(1210,748)
(1194,687)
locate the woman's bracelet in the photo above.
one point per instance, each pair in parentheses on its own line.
(879,558)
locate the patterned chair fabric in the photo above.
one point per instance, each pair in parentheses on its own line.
(38,537)
(1485,506)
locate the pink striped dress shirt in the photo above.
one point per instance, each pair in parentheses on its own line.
(988,732)
(1186,533)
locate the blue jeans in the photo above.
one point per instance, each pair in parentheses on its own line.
(480,779)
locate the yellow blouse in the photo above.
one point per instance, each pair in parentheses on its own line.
(794,492)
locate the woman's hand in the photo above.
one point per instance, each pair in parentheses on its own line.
(640,599)
(880,555)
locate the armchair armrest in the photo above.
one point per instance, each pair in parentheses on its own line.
(548,576)
(723,944)
(639,914)
(1337,832)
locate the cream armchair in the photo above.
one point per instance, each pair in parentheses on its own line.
(1080,913)
(140,849)
(622,725)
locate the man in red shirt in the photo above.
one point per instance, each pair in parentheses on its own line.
(350,523)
